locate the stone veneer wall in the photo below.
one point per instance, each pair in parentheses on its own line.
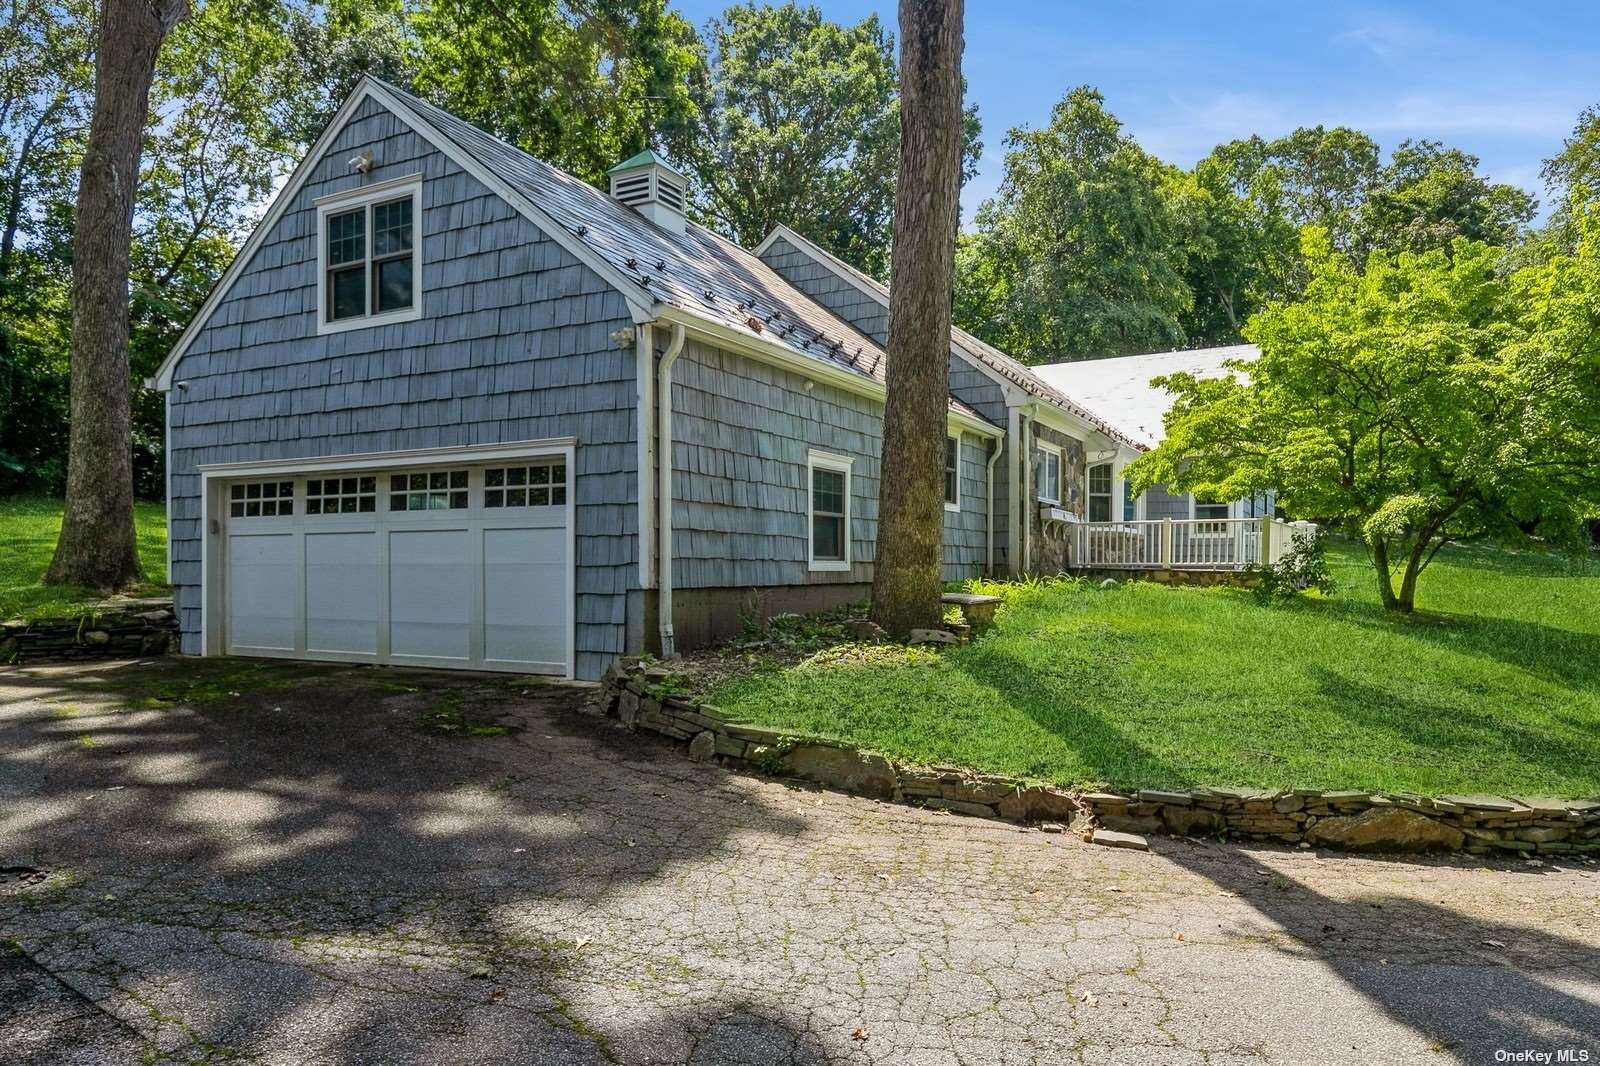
(129,629)
(1362,821)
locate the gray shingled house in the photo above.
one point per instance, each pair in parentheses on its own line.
(452,407)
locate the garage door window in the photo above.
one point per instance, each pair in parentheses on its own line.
(428,490)
(342,495)
(540,485)
(261,499)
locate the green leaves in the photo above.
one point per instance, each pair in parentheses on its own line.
(1427,396)
(796,120)
(1079,252)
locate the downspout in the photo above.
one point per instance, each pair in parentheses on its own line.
(988,540)
(664,491)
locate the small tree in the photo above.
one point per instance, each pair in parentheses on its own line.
(1428,398)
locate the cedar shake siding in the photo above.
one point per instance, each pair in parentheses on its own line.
(514,343)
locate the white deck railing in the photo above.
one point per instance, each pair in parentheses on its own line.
(1184,543)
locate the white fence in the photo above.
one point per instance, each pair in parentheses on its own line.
(1185,543)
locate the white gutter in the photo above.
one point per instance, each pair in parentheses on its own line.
(664,490)
(988,538)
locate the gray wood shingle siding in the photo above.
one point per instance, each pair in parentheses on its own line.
(742,431)
(514,343)
(868,315)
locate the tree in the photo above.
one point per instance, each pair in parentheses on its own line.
(797,121)
(96,547)
(905,581)
(1079,253)
(1429,195)
(1241,248)
(581,86)
(1427,398)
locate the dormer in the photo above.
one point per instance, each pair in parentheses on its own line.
(652,188)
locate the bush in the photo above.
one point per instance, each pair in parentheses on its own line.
(1304,566)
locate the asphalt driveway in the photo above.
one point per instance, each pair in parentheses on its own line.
(229,861)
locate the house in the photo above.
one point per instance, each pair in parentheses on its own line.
(451,407)
(1210,533)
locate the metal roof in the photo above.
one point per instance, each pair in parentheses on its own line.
(697,271)
(1119,388)
(979,351)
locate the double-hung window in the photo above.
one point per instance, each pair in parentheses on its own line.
(368,256)
(952,473)
(1100,485)
(828,511)
(1047,474)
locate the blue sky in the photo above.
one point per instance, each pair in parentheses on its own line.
(1504,80)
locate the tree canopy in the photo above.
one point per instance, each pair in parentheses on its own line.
(796,120)
(1079,253)
(1427,397)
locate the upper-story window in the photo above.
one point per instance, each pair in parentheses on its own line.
(368,255)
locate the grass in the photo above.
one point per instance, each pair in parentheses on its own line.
(29,526)
(1493,687)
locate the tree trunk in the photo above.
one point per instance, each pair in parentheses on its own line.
(905,584)
(1380,562)
(96,546)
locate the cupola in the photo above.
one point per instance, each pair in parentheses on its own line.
(652,188)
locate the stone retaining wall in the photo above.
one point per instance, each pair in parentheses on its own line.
(1362,821)
(123,629)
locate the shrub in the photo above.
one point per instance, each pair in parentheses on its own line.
(1303,566)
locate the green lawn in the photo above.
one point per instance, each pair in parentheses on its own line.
(1496,688)
(28,529)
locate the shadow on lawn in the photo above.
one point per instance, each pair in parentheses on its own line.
(1453,733)
(1059,703)
(1550,653)
(199,808)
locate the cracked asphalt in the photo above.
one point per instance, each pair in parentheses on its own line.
(279,863)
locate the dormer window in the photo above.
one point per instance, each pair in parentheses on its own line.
(368,256)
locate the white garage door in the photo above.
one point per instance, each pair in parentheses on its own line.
(458,566)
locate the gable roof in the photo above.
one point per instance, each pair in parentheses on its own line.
(986,355)
(708,279)
(1119,387)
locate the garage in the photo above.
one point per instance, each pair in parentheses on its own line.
(463,562)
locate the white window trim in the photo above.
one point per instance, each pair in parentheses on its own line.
(842,464)
(955,508)
(1053,449)
(366,196)
(1113,497)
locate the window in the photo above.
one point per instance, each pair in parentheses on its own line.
(428,490)
(1100,483)
(1047,473)
(952,473)
(1211,517)
(829,498)
(369,269)
(538,485)
(342,495)
(1130,503)
(261,499)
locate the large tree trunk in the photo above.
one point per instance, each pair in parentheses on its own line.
(96,546)
(905,584)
